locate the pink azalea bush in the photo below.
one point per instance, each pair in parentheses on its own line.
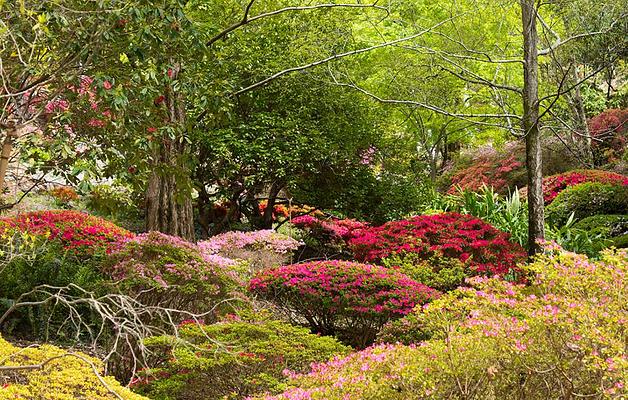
(483,248)
(345,298)
(498,340)
(169,271)
(260,249)
(78,232)
(334,228)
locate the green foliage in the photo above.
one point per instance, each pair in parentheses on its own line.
(613,227)
(441,273)
(232,359)
(587,199)
(507,214)
(115,202)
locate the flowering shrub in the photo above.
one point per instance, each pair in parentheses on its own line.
(587,199)
(338,297)
(553,185)
(232,359)
(81,233)
(261,249)
(610,128)
(168,271)
(474,242)
(63,377)
(497,340)
(333,228)
(488,167)
(64,194)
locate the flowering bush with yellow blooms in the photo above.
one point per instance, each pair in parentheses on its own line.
(51,373)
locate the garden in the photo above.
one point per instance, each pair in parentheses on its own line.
(302,200)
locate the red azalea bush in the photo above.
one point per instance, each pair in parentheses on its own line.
(81,233)
(489,168)
(349,299)
(485,249)
(553,185)
(610,131)
(334,228)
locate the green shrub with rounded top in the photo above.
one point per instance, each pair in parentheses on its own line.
(587,199)
(232,359)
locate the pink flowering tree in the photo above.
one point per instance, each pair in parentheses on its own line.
(348,299)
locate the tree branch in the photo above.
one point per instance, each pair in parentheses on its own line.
(246,20)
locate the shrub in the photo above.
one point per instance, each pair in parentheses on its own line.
(339,297)
(494,169)
(440,273)
(326,237)
(485,249)
(261,249)
(82,234)
(613,227)
(498,340)
(64,195)
(232,359)
(168,271)
(587,199)
(64,376)
(555,184)
(116,202)
(610,128)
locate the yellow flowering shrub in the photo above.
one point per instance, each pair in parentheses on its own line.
(63,376)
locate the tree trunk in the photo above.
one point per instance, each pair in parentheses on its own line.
(168,198)
(581,116)
(5,155)
(536,218)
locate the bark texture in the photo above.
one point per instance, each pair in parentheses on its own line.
(534,164)
(168,201)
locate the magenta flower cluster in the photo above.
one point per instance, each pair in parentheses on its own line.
(332,294)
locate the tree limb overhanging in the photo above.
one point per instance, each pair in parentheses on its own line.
(246,20)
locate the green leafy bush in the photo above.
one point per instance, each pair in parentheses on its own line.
(613,227)
(232,359)
(588,199)
(440,273)
(497,340)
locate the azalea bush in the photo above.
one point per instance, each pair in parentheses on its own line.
(555,184)
(500,170)
(326,237)
(610,132)
(483,248)
(498,340)
(81,234)
(261,249)
(232,359)
(64,195)
(63,375)
(588,199)
(170,272)
(344,298)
